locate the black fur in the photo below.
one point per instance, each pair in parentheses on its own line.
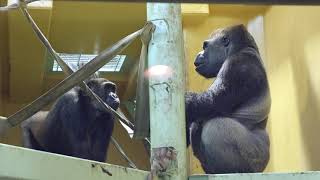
(76,125)
(227,122)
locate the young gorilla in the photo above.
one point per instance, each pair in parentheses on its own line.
(75,126)
(227,122)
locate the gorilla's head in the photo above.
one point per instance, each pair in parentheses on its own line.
(222,44)
(106,90)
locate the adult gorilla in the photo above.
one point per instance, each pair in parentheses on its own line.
(227,122)
(76,125)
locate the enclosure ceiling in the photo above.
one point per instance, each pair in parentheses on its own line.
(68,32)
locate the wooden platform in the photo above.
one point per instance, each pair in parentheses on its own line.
(21,163)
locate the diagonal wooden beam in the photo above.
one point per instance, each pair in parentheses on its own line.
(71,81)
(68,71)
(132,82)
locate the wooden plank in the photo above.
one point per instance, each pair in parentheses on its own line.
(21,163)
(195,9)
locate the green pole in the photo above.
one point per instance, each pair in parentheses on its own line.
(167,84)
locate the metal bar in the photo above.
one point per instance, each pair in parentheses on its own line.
(123,154)
(248,2)
(68,71)
(166,87)
(47,166)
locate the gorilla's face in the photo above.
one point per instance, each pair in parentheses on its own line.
(106,90)
(215,51)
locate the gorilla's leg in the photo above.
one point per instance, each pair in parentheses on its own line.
(229,147)
(29,140)
(195,137)
(26,137)
(32,130)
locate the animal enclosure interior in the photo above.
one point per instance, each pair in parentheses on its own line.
(288,38)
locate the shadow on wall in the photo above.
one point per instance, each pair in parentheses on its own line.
(307,78)
(293,46)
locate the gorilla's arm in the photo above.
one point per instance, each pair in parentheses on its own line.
(229,89)
(63,121)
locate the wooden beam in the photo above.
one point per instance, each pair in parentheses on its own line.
(166,90)
(22,163)
(72,80)
(195,9)
(131,87)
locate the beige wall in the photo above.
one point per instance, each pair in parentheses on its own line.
(3,55)
(71,32)
(293,53)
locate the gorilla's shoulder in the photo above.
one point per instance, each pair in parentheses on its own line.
(71,97)
(247,57)
(245,65)
(249,53)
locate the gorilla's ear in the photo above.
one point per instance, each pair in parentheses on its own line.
(225,40)
(90,83)
(109,86)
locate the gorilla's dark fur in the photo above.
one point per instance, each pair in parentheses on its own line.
(227,122)
(76,125)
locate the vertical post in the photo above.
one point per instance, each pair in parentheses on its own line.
(167,84)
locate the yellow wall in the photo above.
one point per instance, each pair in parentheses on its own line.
(196,30)
(13,135)
(292,53)
(69,32)
(3,54)
(292,37)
